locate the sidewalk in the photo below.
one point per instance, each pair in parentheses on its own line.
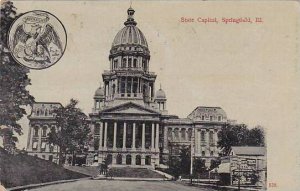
(30,186)
(217,186)
(133,179)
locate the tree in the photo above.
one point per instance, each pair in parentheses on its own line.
(256,137)
(199,166)
(239,135)
(13,81)
(72,131)
(185,160)
(214,163)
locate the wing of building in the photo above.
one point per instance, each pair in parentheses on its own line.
(130,122)
(41,120)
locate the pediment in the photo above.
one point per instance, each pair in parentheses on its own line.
(130,108)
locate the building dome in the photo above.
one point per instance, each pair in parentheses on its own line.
(99,92)
(130,35)
(130,38)
(160,94)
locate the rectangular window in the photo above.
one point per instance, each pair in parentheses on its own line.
(43,146)
(34,145)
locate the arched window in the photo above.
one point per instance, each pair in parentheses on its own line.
(114,89)
(44,131)
(203,153)
(119,159)
(37,112)
(176,133)
(211,153)
(124,63)
(190,134)
(109,159)
(97,129)
(211,137)
(202,135)
(115,63)
(128,159)
(135,63)
(138,160)
(170,134)
(46,112)
(148,160)
(210,118)
(183,134)
(129,62)
(36,131)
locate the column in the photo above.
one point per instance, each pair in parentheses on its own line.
(105,135)
(152,136)
(157,137)
(173,135)
(125,92)
(138,86)
(133,136)
(40,139)
(165,140)
(186,134)
(143,160)
(119,85)
(114,158)
(101,134)
(133,159)
(215,137)
(29,140)
(131,87)
(195,140)
(199,141)
(124,136)
(207,136)
(115,136)
(179,134)
(143,137)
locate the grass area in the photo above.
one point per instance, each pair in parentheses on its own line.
(133,172)
(21,169)
(87,170)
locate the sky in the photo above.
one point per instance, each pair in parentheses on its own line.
(251,70)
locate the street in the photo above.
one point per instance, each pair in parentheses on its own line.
(116,185)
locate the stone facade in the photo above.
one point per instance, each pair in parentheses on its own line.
(41,120)
(129,121)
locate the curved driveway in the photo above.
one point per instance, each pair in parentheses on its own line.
(116,185)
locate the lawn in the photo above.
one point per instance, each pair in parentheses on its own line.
(22,169)
(133,172)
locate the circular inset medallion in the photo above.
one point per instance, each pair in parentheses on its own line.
(37,39)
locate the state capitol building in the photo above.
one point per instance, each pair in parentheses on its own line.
(129,121)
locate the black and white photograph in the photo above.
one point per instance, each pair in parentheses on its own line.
(102,95)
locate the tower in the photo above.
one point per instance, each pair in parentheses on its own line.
(99,99)
(129,78)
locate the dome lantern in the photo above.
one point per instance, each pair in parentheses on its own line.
(130,18)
